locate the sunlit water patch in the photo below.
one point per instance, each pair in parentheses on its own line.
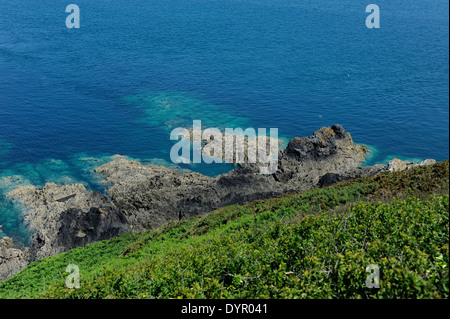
(177,109)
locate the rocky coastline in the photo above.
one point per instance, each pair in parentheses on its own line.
(63,217)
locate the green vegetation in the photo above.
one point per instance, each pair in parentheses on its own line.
(315,244)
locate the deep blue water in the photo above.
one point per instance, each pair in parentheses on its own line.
(71,98)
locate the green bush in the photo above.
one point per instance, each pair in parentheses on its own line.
(317,257)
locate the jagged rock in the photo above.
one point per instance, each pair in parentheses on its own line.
(395,164)
(367,171)
(305,160)
(149,194)
(79,228)
(12,260)
(428,161)
(155,195)
(6,243)
(57,213)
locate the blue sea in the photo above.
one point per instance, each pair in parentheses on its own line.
(72,98)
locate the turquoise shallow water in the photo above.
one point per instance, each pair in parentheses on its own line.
(70,99)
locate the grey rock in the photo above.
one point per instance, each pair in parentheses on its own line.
(305,160)
(396,165)
(12,260)
(149,195)
(358,172)
(63,217)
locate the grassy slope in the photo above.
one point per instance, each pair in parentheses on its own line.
(314,244)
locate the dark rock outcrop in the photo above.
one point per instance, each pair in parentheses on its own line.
(79,228)
(306,159)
